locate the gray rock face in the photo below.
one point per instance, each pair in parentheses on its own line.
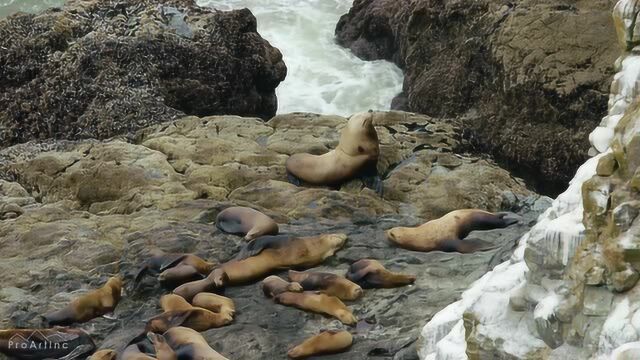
(89,209)
(101,68)
(530,78)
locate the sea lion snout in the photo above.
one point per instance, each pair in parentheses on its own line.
(337,240)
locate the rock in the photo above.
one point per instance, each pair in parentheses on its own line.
(157,60)
(624,280)
(94,208)
(597,301)
(606,165)
(509,70)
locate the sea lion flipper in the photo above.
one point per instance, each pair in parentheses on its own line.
(508,218)
(139,275)
(358,275)
(257,245)
(171,262)
(293,179)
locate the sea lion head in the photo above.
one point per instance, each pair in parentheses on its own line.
(359,137)
(336,241)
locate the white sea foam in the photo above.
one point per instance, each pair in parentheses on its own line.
(322,76)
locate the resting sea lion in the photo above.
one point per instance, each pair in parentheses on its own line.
(245,221)
(327,342)
(214,281)
(53,343)
(106,354)
(215,303)
(447,232)
(275,285)
(174,268)
(318,303)
(371,274)
(90,305)
(189,344)
(163,350)
(327,283)
(355,156)
(172,302)
(269,253)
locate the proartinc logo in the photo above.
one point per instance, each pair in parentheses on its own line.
(57,343)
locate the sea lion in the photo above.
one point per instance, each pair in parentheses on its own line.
(189,344)
(318,303)
(215,303)
(214,281)
(90,305)
(187,267)
(275,285)
(245,221)
(163,350)
(355,156)
(371,274)
(52,343)
(447,232)
(195,318)
(172,302)
(269,253)
(327,342)
(106,354)
(327,283)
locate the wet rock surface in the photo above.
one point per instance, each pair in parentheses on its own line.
(530,79)
(80,211)
(99,68)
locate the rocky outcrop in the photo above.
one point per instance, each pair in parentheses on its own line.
(74,212)
(570,290)
(529,78)
(101,68)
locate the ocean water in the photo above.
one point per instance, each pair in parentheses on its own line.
(322,76)
(8,7)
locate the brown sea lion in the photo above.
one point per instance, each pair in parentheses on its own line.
(172,302)
(215,303)
(371,274)
(269,253)
(318,303)
(189,344)
(327,342)
(275,285)
(447,232)
(216,280)
(327,283)
(174,268)
(163,350)
(52,343)
(355,156)
(246,221)
(90,305)
(106,354)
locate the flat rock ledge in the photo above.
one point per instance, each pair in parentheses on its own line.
(74,212)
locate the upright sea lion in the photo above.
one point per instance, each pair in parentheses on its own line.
(55,343)
(106,354)
(327,283)
(447,232)
(371,274)
(327,342)
(275,285)
(245,221)
(189,344)
(215,303)
(318,303)
(216,280)
(355,156)
(90,305)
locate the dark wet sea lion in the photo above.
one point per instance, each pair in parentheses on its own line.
(327,342)
(189,344)
(371,274)
(275,285)
(447,233)
(355,156)
(159,262)
(327,283)
(46,343)
(246,222)
(93,304)
(318,303)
